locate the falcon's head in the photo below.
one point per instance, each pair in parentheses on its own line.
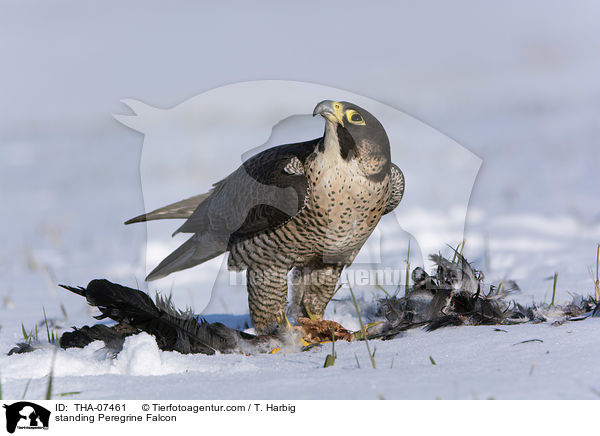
(356,134)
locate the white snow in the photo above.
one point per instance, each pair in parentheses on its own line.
(517,85)
(470,363)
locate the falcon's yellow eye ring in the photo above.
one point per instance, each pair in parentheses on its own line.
(354,117)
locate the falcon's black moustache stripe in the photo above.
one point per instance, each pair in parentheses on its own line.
(346,142)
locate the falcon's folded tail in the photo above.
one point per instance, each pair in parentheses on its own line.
(181,209)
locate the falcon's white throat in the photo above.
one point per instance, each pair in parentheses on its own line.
(331,143)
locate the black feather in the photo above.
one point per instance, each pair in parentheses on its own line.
(456,295)
(21,348)
(174,331)
(112,337)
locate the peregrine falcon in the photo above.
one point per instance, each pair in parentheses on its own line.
(306,207)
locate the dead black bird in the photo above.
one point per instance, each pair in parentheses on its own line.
(454,295)
(174,330)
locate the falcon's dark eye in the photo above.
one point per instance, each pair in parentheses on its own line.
(354,117)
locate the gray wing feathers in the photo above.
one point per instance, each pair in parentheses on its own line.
(265,191)
(397,189)
(233,198)
(219,215)
(181,209)
(197,249)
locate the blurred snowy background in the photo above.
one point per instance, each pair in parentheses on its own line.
(515,83)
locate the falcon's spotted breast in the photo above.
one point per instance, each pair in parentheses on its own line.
(306,207)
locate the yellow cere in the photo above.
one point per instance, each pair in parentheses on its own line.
(337,107)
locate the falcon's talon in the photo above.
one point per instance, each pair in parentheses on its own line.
(312,315)
(358,335)
(311,345)
(283,321)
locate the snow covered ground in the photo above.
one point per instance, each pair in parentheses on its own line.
(516,85)
(470,363)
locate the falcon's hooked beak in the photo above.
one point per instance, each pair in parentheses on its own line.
(331,111)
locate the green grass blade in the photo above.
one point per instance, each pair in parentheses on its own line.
(362,328)
(330,359)
(597,283)
(47,328)
(51,377)
(554,289)
(26,389)
(64,311)
(25,336)
(407,270)
(66,394)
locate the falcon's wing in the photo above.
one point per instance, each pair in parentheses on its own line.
(397,189)
(262,194)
